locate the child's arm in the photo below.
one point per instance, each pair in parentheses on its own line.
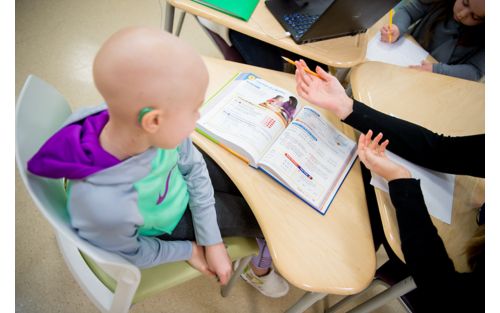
(202,205)
(108,217)
(473,69)
(219,262)
(409,13)
(201,194)
(198,260)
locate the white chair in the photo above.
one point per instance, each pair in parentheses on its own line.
(110,281)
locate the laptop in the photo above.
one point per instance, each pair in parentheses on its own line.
(313,20)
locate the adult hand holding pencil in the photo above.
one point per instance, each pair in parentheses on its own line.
(325,92)
(305,66)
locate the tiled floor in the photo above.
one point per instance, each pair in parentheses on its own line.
(56,40)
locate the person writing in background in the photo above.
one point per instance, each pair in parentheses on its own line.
(451,30)
(439,287)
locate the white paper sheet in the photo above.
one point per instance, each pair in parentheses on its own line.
(402,52)
(437,187)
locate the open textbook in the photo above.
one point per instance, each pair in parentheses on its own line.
(403,52)
(267,127)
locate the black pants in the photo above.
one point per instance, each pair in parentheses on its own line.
(262,54)
(234,216)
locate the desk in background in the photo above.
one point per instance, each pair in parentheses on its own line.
(342,52)
(443,104)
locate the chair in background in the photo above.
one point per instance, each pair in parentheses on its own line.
(111,282)
(229,52)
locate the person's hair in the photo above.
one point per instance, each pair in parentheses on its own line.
(475,250)
(443,10)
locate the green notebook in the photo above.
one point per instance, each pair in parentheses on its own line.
(241,9)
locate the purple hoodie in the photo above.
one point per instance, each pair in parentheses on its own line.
(74,152)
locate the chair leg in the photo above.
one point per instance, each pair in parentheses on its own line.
(308,299)
(227,288)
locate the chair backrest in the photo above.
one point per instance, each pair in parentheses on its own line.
(41,110)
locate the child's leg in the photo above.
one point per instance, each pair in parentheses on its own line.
(235,218)
(184,229)
(262,262)
(220,181)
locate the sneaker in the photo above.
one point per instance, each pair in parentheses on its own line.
(271,285)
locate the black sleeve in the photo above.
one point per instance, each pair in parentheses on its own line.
(455,155)
(439,285)
(422,247)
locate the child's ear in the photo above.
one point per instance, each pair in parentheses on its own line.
(150,121)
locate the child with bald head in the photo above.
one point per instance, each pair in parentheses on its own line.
(137,186)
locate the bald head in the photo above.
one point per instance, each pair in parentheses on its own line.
(144,67)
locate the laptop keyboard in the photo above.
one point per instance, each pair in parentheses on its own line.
(299,22)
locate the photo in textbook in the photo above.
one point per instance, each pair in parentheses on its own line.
(267,127)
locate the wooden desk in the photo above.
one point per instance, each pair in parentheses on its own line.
(331,254)
(338,52)
(444,105)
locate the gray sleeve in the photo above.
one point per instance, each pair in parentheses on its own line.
(472,70)
(201,194)
(408,13)
(108,217)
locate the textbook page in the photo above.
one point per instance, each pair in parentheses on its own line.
(403,52)
(437,187)
(248,115)
(311,158)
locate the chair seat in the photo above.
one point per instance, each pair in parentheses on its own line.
(162,277)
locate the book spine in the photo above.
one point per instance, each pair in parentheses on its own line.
(222,88)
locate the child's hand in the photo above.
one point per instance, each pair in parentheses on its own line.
(198,260)
(393,33)
(424,66)
(325,92)
(373,156)
(219,262)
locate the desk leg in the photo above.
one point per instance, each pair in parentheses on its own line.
(394,292)
(308,299)
(169,17)
(179,23)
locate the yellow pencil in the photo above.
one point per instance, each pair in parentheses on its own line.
(307,69)
(391,12)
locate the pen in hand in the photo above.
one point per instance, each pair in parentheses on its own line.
(391,12)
